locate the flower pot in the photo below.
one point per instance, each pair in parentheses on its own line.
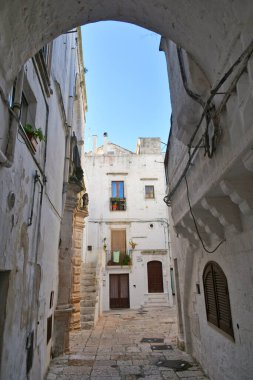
(33,141)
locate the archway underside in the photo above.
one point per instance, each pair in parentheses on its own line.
(202,28)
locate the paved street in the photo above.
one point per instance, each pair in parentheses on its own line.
(113,350)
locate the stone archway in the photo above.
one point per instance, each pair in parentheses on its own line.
(207,30)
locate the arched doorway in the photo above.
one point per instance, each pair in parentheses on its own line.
(155,277)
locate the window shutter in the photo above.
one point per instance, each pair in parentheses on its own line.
(217,298)
(211,309)
(224,311)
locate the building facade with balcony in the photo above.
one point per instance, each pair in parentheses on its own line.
(127,228)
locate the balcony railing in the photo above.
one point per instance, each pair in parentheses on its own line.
(118,204)
(119,258)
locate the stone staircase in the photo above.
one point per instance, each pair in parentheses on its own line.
(88,295)
(155,300)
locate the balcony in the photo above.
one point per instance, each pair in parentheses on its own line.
(118,258)
(118,204)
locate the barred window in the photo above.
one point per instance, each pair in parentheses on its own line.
(217,298)
(149,192)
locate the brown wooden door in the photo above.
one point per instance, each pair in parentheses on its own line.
(119,291)
(155,277)
(118,240)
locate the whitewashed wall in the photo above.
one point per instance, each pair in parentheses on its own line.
(220,192)
(30,253)
(134,170)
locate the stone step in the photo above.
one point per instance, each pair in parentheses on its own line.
(91,267)
(87,325)
(91,297)
(90,287)
(88,276)
(87,310)
(88,302)
(85,282)
(156,296)
(157,306)
(88,291)
(88,295)
(87,318)
(153,300)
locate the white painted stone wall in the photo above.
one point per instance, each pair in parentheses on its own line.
(214,34)
(220,191)
(30,253)
(136,170)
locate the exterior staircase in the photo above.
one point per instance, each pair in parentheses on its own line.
(88,295)
(155,300)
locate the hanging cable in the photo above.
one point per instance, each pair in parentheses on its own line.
(196,225)
(192,94)
(213,116)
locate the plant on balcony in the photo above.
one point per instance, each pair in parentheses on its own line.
(34,132)
(126,260)
(132,244)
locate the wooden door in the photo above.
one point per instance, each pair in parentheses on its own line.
(119,291)
(155,277)
(118,240)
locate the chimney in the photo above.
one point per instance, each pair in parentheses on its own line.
(94,143)
(105,142)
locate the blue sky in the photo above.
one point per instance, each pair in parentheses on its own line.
(126,83)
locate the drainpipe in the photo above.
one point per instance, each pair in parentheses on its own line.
(69,128)
(7,158)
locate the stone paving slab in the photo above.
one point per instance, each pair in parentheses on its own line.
(114,350)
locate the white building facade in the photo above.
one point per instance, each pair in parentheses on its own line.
(127,227)
(37,180)
(209,167)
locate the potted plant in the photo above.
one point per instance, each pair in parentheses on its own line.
(132,244)
(33,134)
(115,203)
(126,260)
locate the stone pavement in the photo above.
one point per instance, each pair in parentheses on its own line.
(113,349)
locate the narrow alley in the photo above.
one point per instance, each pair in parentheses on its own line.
(116,349)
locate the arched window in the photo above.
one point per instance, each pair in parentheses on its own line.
(217,298)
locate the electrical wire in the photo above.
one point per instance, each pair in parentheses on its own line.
(192,94)
(213,115)
(196,225)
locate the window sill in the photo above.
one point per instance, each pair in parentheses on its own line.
(222,332)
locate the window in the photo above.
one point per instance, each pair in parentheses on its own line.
(117,189)
(149,192)
(43,62)
(118,201)
(118,254)
(28,105)
(217,298)
(27,118)
(24,110)
(49,328)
